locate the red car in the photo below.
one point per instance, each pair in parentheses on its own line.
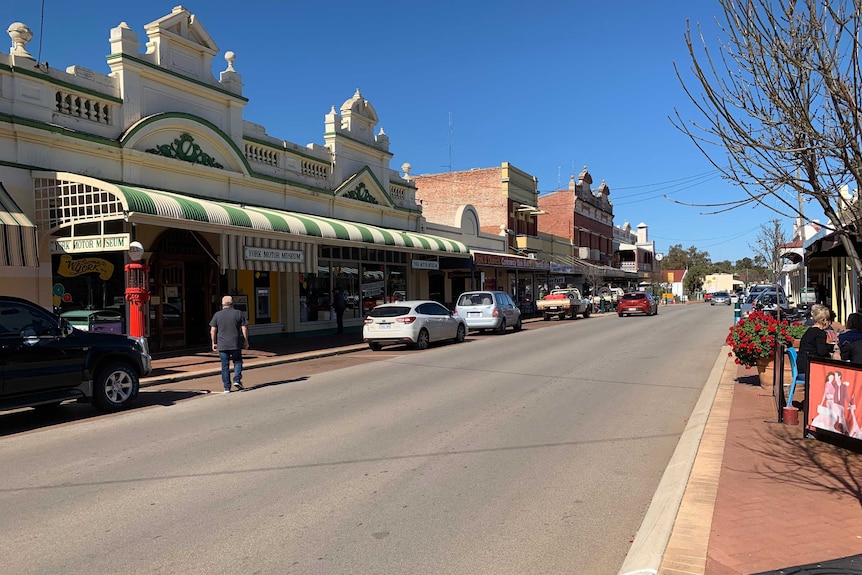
(637,302)
(707,296)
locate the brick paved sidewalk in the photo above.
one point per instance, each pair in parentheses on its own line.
(780,500)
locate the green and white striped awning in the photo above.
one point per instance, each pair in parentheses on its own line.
(173,207)
(19,245)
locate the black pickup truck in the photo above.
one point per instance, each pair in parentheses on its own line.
(45,361)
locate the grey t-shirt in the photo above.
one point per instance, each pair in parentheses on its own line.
(229,321)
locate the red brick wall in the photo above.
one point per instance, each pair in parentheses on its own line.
(560,219)
(443,194)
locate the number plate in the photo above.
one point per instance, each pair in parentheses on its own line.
(553,308)
(384,325)
(474,314)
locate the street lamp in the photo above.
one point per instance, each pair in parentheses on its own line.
(137,294)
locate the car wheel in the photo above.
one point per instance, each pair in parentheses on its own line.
(518,325)
(375,346)
(546,318)
(502,328)
(461,334)
(586,313)
(115,385)
(423,340)
(621,315)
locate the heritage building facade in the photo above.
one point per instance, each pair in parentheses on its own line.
(157,151)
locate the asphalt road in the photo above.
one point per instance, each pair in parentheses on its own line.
(536,452)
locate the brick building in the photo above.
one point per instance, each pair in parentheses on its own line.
(504,198)
(582,215)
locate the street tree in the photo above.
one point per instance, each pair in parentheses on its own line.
(695,277)
(767,247)
(678,258)
(779,101)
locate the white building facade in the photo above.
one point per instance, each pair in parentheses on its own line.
(157,151)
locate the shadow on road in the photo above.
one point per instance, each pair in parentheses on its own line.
(24,420)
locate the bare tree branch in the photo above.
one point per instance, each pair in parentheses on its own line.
(779,101)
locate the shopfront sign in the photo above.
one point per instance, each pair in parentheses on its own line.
(84,244)
(563,268)
(506,261)
(70,268)
(425,264)
(251,253)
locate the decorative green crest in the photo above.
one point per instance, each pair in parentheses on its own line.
(360,193)
(185,149)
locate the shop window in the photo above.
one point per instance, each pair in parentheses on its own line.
(373,286)
(396,283)
(346,278)
(314,290)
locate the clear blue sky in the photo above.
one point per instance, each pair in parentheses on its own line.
(548,86)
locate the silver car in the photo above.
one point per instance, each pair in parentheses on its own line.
(488,310)
(720,298)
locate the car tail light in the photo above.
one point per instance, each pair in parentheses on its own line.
(496,312)
(368,320)
(406,320)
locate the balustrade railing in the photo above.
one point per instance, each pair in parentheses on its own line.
(84,107)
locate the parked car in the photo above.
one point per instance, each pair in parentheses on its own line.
(45,360)
(707,296)
(637,302)
(488,310)
(416,323)
(765,300)
(720,298)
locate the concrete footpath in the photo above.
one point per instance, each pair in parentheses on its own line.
(742,493)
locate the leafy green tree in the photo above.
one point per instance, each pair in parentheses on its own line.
(695,277)
(678,258)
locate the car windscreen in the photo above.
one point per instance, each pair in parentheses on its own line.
(633,296)
(469,299)
(390,311)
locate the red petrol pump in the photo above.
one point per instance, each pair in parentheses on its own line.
(137,290)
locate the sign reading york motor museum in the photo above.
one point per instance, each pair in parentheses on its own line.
(273,255)
(83,244)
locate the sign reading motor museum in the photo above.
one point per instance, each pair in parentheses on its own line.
(84,244)
(251,253)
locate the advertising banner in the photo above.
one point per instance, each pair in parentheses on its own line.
(832,391)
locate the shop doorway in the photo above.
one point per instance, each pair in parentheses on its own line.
(184,283)
(436,287)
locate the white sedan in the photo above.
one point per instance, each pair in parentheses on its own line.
(416,323)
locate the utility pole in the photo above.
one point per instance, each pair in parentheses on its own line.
(804,285)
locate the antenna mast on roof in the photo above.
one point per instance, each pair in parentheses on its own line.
(450,141)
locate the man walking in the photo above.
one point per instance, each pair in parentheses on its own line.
(229,335)
(338,305)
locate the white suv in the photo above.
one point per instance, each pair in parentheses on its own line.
(488,310)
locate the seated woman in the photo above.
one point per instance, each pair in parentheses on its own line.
(850,341)
(814,342)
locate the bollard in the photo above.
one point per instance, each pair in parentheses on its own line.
(737,311)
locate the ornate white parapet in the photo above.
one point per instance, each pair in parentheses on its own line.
(20,34)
